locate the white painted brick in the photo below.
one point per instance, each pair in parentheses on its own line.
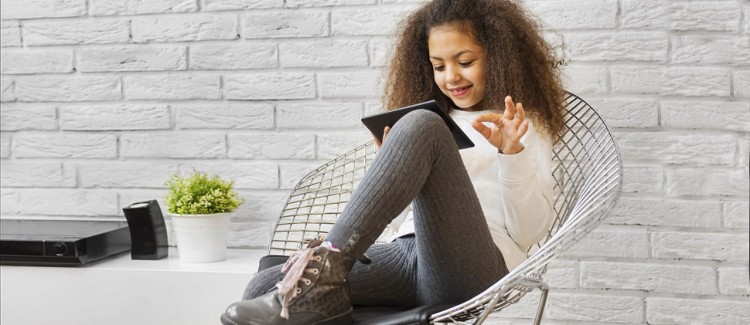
(316,115)
(696,311)
(678,148)
(250,234)
(319,53)
(246,175)
(670,81)
(261,206)
(65,145)
(666,212)
(291,173)
(28,61)
(706,182)
(579,308)
(136,7)
(611,243)
(7,90)
(326,3)
(649,14)
(746,14)
(270,85)
(22,173)
(700,246)
(233,56)
(585,79)
(224,115)
(280,24)
(741,84)
(373,108)
(76,31)
(714,16)
(173,145)
(609,46)
(733,116)
(10,202)
(684,81)
(642,179)
(124,174)
(380,51)
(272,145)
(175,86)
(367,21)
(114,117)
(331,145)
(359,84)
(711,49)
(734,281)
(736,215)
(220,5)
(64,89)
(627,113)
(67,202)
(27,117)
(575,14)
(22,9)
(562,274)
(10,34)
(132,58)
(649,277)
(180,28)
(4,146)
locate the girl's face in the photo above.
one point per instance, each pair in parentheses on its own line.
(458,65)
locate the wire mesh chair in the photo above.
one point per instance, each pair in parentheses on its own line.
(587,171)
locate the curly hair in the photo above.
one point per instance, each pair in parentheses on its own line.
(520,62)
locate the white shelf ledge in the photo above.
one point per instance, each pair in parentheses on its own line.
(124,291)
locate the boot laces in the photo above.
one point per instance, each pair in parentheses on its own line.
(295,266)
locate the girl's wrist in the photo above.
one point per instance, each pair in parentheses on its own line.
(511,150)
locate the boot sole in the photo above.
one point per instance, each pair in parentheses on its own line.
(343,319)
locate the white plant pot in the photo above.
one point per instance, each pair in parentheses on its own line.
(201,238)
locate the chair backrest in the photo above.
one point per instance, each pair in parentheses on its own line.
(586,168)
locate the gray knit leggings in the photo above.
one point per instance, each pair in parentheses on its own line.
(452,256)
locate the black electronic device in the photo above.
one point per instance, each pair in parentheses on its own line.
(377,122)
(60,243)
(148,231)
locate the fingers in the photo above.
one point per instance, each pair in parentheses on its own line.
(379,142)
(522,130)
(510,109)
(481,128)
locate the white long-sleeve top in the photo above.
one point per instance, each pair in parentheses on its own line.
(515,191)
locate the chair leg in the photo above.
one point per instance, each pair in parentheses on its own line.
(540,309)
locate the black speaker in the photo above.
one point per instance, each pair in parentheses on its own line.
(148,232)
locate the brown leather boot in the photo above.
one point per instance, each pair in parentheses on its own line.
(314,291)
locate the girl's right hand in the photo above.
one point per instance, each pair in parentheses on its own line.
(379,143)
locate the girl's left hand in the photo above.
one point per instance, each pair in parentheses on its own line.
(508,127)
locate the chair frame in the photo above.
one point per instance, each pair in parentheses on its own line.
(588,174)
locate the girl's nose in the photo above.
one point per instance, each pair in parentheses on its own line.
(452,76)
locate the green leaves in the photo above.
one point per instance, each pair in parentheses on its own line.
(200,193)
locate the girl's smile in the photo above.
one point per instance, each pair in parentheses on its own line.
(458,65)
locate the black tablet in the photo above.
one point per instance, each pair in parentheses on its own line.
(377,122)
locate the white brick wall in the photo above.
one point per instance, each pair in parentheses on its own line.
(102,99)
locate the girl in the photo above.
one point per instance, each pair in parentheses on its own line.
(473,214)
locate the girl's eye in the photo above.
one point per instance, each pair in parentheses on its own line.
(438,68)
(466,63)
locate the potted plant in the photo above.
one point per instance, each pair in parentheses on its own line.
(200,206)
